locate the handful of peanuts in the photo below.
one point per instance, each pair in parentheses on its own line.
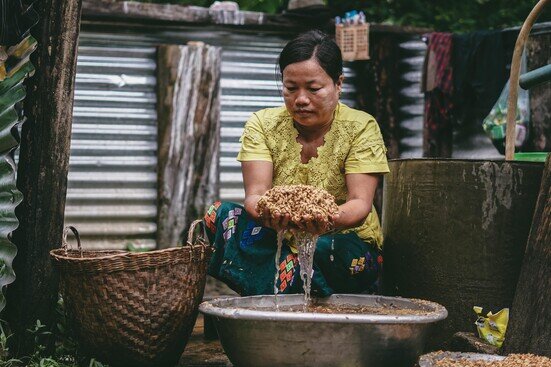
(299,201)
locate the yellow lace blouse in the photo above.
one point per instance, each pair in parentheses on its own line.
(353,145)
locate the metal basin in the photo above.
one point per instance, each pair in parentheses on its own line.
(269,338)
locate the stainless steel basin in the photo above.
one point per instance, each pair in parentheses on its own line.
(269,338)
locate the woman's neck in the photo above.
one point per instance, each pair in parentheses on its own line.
(312,133)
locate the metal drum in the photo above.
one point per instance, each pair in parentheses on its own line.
(455,233)
(265,337)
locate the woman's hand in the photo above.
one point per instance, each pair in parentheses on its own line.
(277,221)
(317,224)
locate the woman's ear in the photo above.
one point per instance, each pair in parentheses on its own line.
(339,83)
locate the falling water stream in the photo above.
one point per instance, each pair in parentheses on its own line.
(277,256)
(306,245)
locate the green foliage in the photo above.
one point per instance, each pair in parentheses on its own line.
(12,92)
(131,247)
(65,354)
(456,16)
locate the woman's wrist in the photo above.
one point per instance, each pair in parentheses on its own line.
(250,206)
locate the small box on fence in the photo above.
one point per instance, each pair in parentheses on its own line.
(353,41)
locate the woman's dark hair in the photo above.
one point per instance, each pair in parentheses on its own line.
(313,44)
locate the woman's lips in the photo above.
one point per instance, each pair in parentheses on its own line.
(304,112)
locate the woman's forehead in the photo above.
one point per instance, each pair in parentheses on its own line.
(307,71)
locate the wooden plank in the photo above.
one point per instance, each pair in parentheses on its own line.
(169,12)
(469,342)
(188,108)
(42,172)
(529,329)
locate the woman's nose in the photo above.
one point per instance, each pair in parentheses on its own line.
(302,99)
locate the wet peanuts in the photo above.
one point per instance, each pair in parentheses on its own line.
(512,360)
(298,201)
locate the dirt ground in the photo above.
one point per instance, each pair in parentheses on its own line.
(200,352)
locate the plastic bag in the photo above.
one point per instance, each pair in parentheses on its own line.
(495,123)
(492,328)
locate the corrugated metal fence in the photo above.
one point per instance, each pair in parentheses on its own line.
(112,179)
(112,193)
(412,54)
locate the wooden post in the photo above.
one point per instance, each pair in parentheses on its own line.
(188,109)
(538,51)
(43,167)
(529,329)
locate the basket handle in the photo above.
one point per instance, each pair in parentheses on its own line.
(192,227)
(65,243)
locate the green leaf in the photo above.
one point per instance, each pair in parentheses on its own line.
(12,91)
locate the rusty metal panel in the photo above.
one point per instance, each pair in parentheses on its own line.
(111,195)
(14,68)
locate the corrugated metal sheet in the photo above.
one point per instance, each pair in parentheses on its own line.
(111,196)
(14,68)
(112,177)
(412,53)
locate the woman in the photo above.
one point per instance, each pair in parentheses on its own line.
(315,140)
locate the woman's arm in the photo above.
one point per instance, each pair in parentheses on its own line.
(361,190)
(257,179)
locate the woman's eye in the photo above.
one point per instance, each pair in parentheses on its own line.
(314,89)
(291,89)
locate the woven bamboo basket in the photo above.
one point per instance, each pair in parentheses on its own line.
(353,40)
(133,309)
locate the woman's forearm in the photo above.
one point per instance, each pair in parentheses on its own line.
(352,214)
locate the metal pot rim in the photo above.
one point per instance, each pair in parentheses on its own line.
(465,160)
(218,308)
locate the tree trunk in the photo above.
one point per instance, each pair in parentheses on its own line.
(188,109)
(538,48)
(529,329)
(43,167)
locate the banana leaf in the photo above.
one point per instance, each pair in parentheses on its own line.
(17,68)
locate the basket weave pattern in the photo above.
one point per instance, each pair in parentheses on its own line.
(133,309)
(353,40)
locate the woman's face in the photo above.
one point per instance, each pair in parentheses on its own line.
(310,94)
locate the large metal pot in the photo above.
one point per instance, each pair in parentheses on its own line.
(455,232)
(264,337)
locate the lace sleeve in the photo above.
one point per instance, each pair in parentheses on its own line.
(253,142)
(368,152)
